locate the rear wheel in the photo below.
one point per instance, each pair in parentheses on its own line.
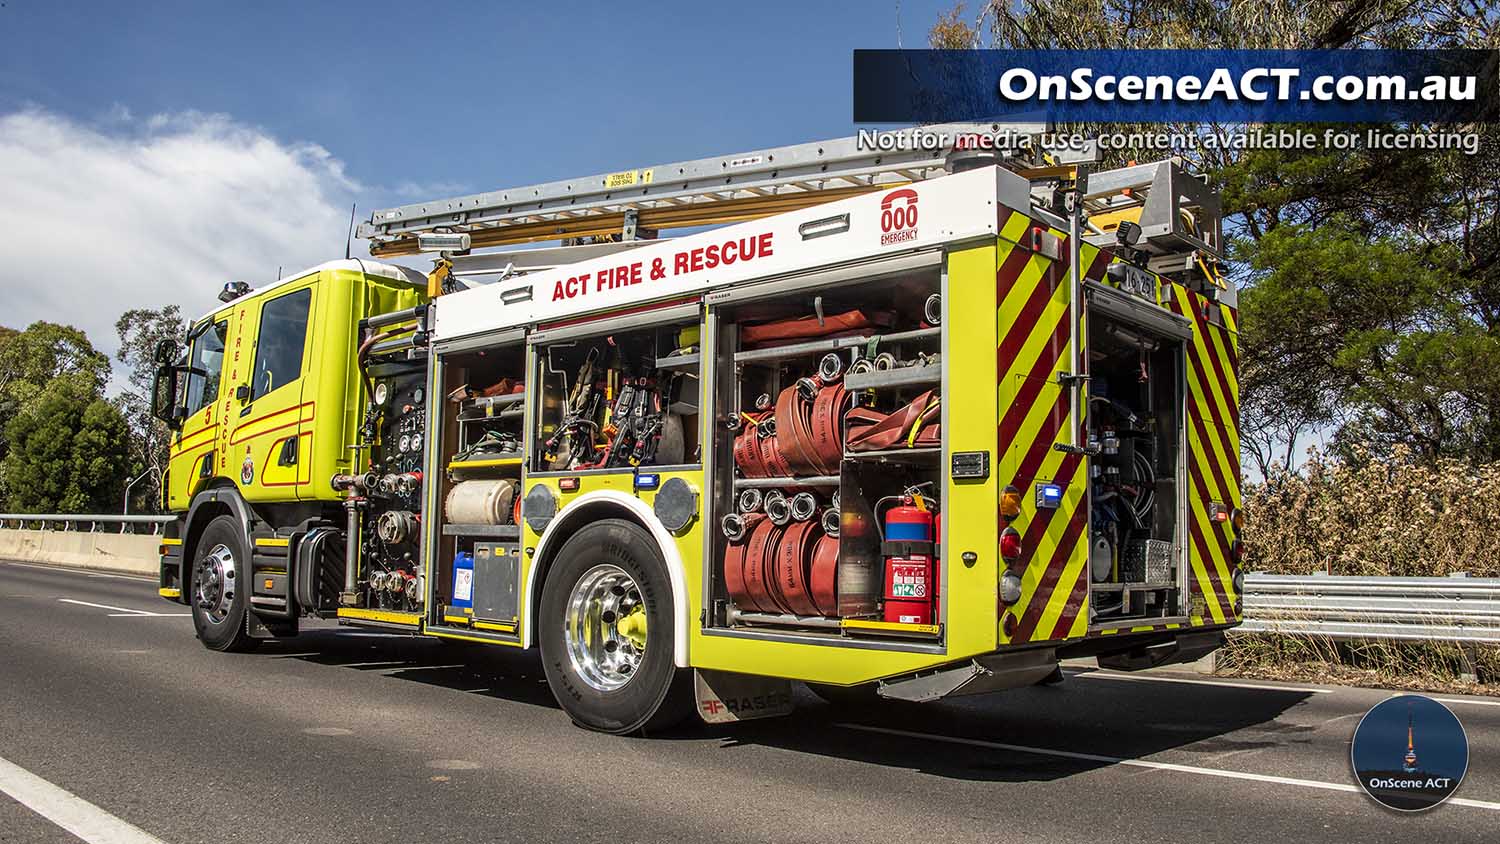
(606,632)
(218,601)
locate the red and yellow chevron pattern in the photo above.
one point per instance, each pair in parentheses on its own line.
(1034,330)
(1034,314)
(1213,436)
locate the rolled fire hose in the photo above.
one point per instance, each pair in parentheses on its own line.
(830,522)
(758,557)
(749,500)
(480,502)
(810,438)
(823,576)
(778,509)
(735,525)
(747,454)
(914,424)
(804,506)
(791,569)
(830,368)
(736,555)
(885,361)
(932,309)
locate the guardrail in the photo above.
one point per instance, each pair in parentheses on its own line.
(67,521)
(1465,610)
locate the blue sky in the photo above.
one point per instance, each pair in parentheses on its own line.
(154,150)
(479,95)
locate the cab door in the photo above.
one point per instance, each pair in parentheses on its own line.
(204,401)
(269,424)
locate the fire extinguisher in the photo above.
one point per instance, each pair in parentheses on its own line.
(911,580)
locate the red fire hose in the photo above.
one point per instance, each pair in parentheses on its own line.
(914,424)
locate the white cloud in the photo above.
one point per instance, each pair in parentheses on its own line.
(97,219)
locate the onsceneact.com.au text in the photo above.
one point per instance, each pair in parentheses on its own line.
(1261,84)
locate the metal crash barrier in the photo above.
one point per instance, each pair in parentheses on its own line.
(77,521)
(1458,609)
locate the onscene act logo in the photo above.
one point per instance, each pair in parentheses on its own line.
(1409,753)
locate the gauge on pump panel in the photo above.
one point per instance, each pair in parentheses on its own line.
(416,396)
(405,443)
(382,390)
(416,442)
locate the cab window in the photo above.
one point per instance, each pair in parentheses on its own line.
(279,343)
(205,363)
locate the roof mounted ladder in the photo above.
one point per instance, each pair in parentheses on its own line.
(708,191)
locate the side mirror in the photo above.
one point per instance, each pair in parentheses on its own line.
(165,353)
(164,396)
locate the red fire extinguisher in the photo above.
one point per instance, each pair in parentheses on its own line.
(911,582)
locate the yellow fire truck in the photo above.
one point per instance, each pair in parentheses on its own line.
(918,418)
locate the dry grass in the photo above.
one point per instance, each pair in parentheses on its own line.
(1394,517)
(1417,666)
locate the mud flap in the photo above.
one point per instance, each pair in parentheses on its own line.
(724,697)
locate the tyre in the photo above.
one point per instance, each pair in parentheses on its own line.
(605,629)
(219,604)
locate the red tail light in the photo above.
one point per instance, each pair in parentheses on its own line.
(1010,544)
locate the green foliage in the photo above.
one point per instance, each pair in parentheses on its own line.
(1370,278)
(69,447)
(140,330)
(31,359)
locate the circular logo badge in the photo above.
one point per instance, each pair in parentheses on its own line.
(1409,753)
(247,469)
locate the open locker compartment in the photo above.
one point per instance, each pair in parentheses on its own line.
(619,397)
(477,465)
(1137,564)
(797,483)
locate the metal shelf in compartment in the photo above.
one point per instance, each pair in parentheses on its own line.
(485,531)
(905,376)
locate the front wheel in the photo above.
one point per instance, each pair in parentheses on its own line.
(220,587)
(606,632)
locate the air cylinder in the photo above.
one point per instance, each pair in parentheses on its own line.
(480,502)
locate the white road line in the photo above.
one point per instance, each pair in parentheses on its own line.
(85,572)
(68,810)
(1107,675)
(1141,763)
(125,612)
(1469,701)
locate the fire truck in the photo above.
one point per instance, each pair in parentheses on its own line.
(907,422)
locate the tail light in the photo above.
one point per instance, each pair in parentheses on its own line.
(1217,512)
(1010,544)
(1010,588)
(1010,502)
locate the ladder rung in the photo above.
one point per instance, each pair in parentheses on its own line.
(817,168)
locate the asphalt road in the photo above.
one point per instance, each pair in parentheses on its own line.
(347,736)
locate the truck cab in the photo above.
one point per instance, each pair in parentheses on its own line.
(265,398)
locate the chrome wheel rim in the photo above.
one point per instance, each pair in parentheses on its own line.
(214,593)
(605,628)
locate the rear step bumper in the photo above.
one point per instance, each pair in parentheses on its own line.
(988,673)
